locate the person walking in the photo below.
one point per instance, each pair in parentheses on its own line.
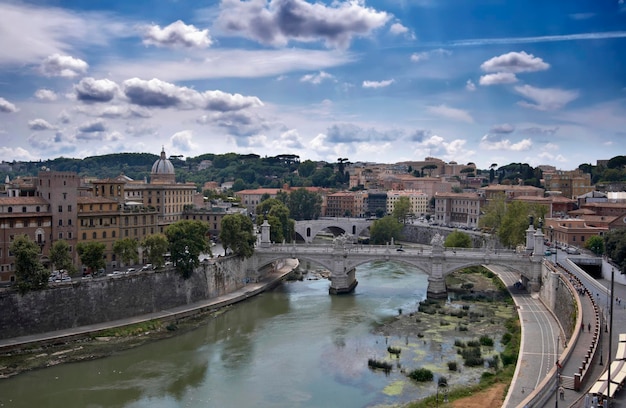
(561,393)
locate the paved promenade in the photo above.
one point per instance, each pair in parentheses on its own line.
(245,292)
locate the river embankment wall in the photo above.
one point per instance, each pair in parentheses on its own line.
(86,302)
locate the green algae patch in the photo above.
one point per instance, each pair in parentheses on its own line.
(395,388)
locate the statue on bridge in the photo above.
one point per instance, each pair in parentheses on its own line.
(437,240)
(341,240)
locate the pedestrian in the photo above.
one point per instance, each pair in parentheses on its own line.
(589,327)
(562,392)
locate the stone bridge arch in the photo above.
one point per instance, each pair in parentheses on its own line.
(307,230)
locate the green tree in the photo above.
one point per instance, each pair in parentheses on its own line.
(187,240)
(615,245)
(458,239)
(127,250)
(402,209)
(595,244)
(91,254)
(512,230)
(156,246)
(384,229)
(29,272)
(306,168)
(323,177)
(277,215)
(61,257)
(493,214)
(237,234)
(304,205)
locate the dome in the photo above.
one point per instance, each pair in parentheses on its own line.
(162,171)
(163,165)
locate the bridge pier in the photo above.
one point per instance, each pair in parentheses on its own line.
(436,288)
(343,283)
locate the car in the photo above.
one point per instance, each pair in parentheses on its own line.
(548,253)
(147,267)
(553,250)
(130,270)
(572,251)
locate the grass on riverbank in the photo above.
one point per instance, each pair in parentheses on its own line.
(498,380)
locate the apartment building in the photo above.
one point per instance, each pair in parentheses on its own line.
(341,204)
(418,200)
(29,216)
(458,209)
(570,184)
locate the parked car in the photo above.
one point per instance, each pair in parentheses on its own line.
(147,267)
(572,251)
(130,270)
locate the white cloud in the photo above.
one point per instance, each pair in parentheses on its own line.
(489,142)
(378,84)
(40,124)
(157,93)
(451,113)
(425,55)
(280,21)
(177,34)
(470,85)
(183,141)
(93,126)
(514,62)
(95,90)
(497,79)
(318,78)
(17,153)
(6,106)
(545,99)
(397,29)
(46,95)
(63,66)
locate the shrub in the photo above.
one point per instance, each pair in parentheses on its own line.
(506,338)
(493,362)
(459,343)
(421,375)
(486,341)
(473,343)
(452,365)
(381,365)
(394,350)
(442,382)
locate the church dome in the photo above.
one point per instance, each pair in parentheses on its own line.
(162,165)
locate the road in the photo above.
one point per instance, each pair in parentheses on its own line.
(540,337)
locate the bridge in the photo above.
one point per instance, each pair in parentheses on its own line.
(307,230)
(343,256)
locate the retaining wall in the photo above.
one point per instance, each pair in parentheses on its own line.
(85,302)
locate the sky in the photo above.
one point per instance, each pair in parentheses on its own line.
(480,81)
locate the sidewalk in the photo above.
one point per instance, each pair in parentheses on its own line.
(251,289)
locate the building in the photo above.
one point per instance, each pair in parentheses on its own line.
(60,191)
(570,184)
(98,221)
(458,209)
(341,204)
(417,199)
(510,192)
(29,216)
(376,204)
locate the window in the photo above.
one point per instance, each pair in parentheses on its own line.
(60,208)
(104,234)
(69,208)
(11,224)
(64,194)
(37,209)
(94,235)
(69,235)
(60,223)
(113,234)
(39,222)
(60,235)
(10,209)
(23,209)
(84,235)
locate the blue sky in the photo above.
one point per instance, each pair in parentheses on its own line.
(484,81)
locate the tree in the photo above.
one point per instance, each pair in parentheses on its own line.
(237,234)
(402,208)
(384,229)
(430,168)
(127,250)
(512,230)
(615,244)
(304,205)
(61,257)
(91,254)
(277,215)
(306,168)
(29,272)
(458,239)
(493,213)
(323,177)
(187,240)
(155,246)
(595,244)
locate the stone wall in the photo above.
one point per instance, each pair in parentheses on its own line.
(86,302)
(423,234)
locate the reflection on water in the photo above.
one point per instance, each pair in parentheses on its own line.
(295,346)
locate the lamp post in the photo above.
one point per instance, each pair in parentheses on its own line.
(608,382)
(556,251)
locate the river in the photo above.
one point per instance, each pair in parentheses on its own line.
(294,346)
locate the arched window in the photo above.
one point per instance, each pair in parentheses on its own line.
(10,209)
(308,232)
